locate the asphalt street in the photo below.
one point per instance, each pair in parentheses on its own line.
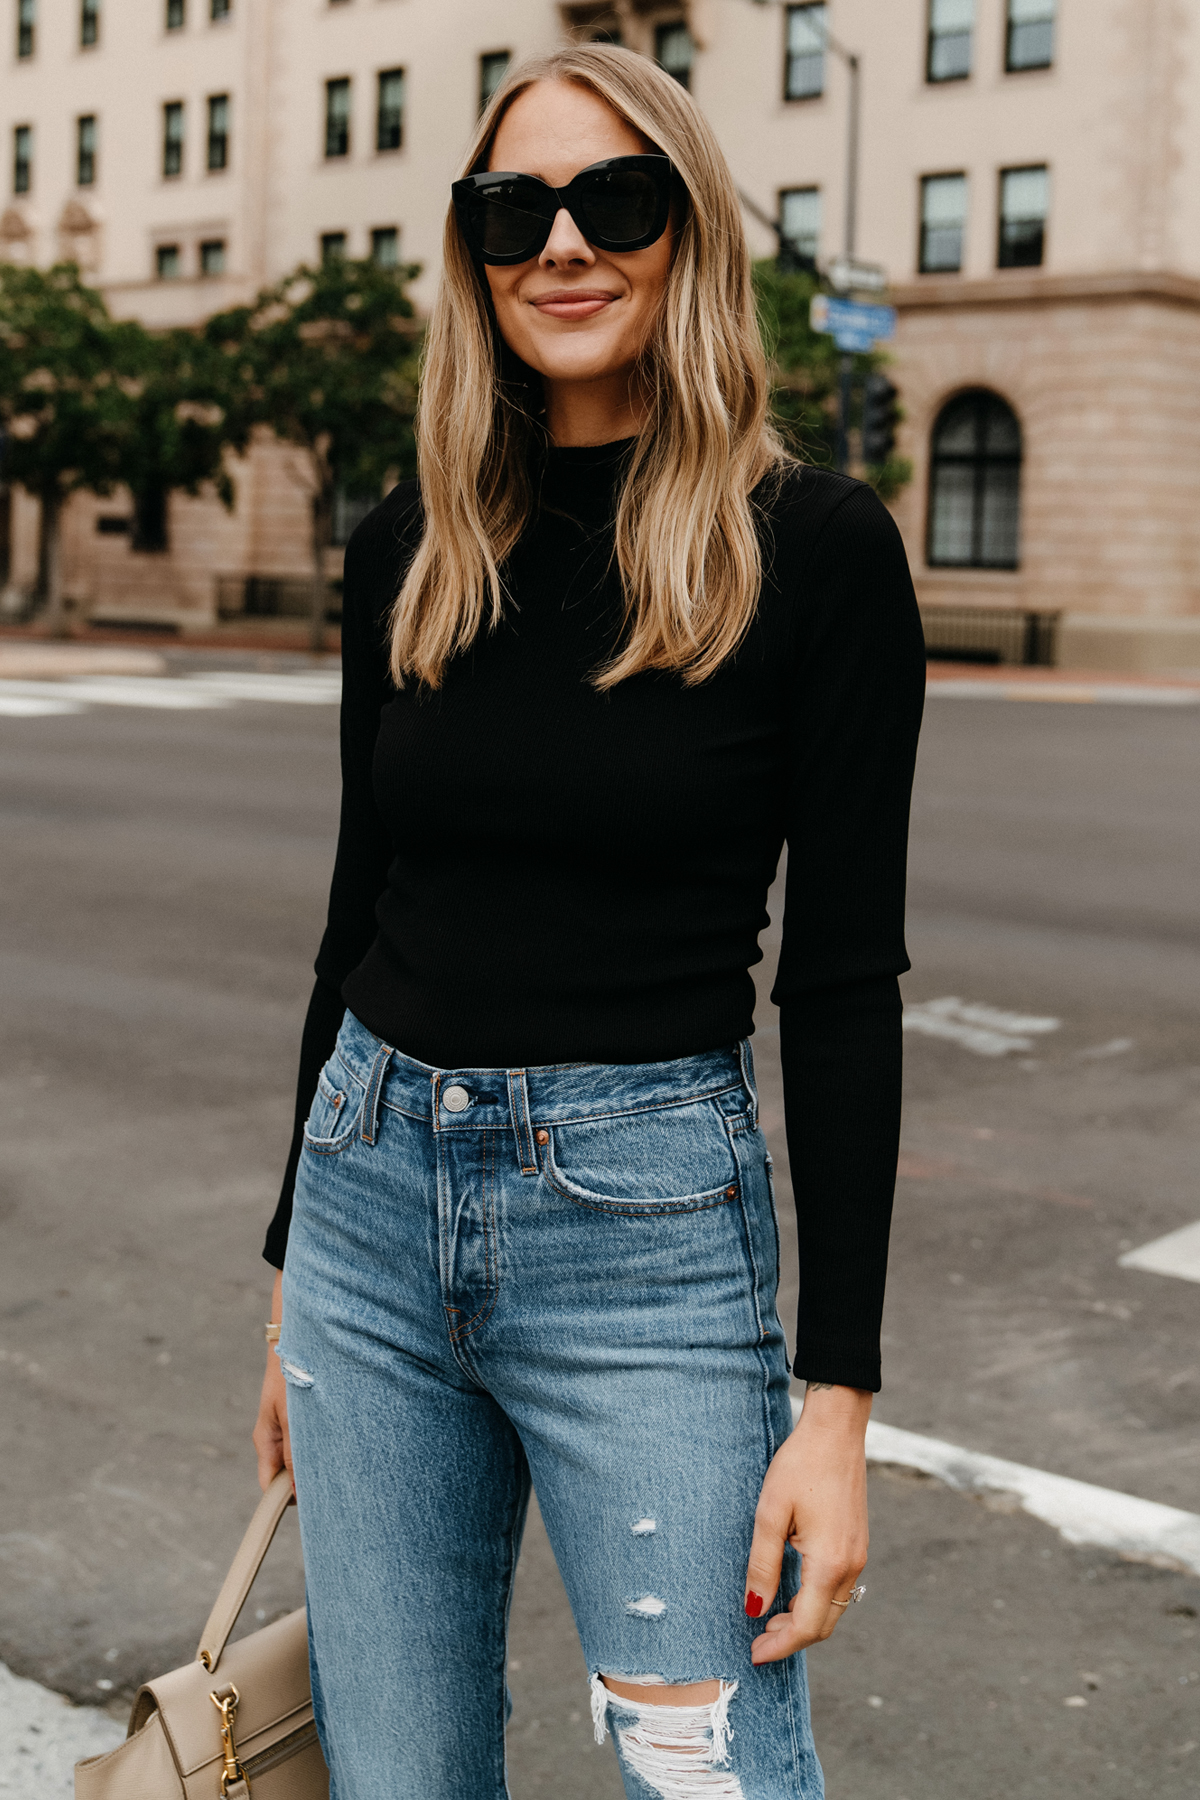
(164,878)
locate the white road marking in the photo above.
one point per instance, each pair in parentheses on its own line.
(1079,692)
(1114,1047)
(1141,1530)
(202,691)
(986,1030)
(1176,1254)
(30,706)
(42,1736)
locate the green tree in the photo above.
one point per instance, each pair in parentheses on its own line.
(328,360)
(186,412)
(65,406)
(805,373)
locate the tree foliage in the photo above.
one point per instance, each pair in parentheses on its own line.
(328,360)
(805,373)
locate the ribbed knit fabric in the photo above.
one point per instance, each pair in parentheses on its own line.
(529,871)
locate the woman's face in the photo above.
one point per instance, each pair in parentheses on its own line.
(576,314)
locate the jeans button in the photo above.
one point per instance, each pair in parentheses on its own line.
(455,1099)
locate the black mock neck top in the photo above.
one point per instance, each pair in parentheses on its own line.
(529,871)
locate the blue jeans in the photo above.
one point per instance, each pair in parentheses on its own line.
(564,1275)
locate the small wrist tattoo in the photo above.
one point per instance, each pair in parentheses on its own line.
(818,1387)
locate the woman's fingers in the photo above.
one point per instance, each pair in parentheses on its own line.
(771,1527)
(810,1618)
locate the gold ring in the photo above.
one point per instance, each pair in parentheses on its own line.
(855,1595)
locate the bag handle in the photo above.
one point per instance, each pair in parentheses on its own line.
(243,1569)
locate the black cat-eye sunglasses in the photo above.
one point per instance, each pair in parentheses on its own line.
(622,203)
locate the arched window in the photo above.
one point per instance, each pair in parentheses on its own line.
(975,484)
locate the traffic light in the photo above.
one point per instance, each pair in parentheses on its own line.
(880,416)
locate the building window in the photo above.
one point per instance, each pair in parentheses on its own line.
(1024,204)
(333,245)
(219,9)
(385,246)
(349,511)
(975,484)
(673,50)
(176,15)
(26,27)
(218,131)
(948,57)
(167,263)
(943,223)
(1030,40)
(85,150)
(337,117)
(172,154)
(22,159)
(804,62)
(493,67)
(89,22)
(212,256)
(800,225)
(389,110)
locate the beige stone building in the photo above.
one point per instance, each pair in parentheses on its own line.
(1027,177)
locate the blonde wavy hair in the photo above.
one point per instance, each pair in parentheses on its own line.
(686,541)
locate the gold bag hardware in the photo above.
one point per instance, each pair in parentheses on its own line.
(245,1735)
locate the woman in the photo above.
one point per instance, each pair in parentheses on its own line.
(635,647)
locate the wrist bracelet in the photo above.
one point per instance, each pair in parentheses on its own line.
(273,1331)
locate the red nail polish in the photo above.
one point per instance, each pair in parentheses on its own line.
(754,1605)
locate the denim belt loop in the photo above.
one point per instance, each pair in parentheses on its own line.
(370,1111)
(746,1058)
(518,1103)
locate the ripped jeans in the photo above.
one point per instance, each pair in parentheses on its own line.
(565,1275)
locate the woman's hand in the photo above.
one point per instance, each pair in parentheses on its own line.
(271,1438)
(814,1498)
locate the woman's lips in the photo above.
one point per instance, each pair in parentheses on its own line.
(583,305)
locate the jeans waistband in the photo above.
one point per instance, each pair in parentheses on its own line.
(466,1099)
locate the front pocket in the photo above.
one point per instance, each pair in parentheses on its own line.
(673,1159)
(334,1112)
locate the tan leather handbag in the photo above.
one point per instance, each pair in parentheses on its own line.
(236,1724)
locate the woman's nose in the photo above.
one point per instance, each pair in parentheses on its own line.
(566,243)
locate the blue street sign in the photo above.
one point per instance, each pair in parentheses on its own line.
(850,324)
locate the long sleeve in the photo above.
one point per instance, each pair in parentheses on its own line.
(858,692)
(374,560)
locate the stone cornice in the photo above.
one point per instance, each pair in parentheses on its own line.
(1024,288)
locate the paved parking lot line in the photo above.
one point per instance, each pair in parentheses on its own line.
(1141,1530)
(1176,1254)
(986,1030)
(1114,693)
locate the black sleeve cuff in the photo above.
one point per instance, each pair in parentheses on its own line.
(326,1010)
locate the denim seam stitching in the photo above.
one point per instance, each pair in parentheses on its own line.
(491,1258)
(646,1209)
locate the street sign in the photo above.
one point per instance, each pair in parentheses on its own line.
(846,272)
(851,325)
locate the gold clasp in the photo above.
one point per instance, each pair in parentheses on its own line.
(226,1701)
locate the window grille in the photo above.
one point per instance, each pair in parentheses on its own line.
(800,225)
(975,484)
(1024,205)
(1030,37)
(218,131)
(804,60)
(172,155)
(493,67)
(22,159)
(943,223)
(389,111)
(948,55)
(673,51)
(85,150)
(337,117)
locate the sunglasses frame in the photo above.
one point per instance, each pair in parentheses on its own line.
(472,187)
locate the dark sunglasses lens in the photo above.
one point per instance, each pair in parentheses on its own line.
(622,204)
(509,219)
